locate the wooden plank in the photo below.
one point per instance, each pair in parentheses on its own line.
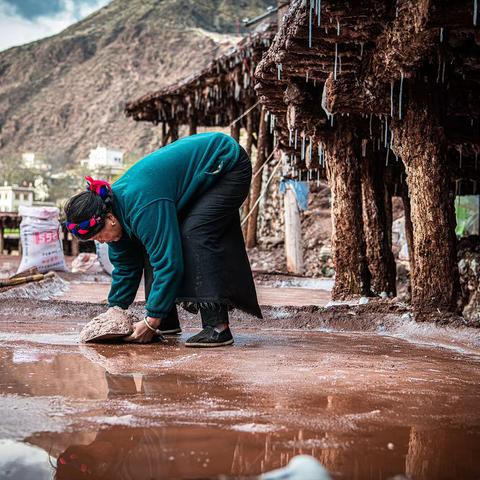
(293,233)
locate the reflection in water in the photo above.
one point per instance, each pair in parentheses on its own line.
(178,452)
(182,425)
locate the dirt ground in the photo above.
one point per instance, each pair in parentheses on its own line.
(363,388)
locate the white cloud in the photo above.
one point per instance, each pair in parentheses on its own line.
(17,30)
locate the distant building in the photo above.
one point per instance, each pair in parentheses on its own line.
(102,159)
(34,161)
(12,197)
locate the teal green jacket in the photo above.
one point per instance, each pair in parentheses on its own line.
(146,200)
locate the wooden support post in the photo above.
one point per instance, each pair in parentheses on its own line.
(192,126)
(2,241)
(408,227)
(348,244)
(420,142)
(235,128)
(257,181)
(173,131)
(293,233)
(248,149)
(164,134)
(381,262)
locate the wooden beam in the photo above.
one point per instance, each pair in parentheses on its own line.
(2,238)
(381,262)
(257,180)
(293,233)
(192,125)
(420,142)
(248,149)
(348,244)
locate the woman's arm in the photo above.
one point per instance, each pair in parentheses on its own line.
(127,259)
(156,226)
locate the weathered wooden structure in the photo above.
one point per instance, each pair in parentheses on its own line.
(221,95)
(382,97)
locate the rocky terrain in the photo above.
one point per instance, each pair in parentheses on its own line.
(65,94)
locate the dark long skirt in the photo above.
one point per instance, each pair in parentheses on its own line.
(216,267)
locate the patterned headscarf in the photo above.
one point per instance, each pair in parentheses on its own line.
(103,190)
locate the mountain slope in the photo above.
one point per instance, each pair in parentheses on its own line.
(65,94)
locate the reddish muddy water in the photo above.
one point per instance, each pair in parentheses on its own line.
(367,406)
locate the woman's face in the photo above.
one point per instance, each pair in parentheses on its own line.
(111,232)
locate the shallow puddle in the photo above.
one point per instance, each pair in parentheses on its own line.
(366,406)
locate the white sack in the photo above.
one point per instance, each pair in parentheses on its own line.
(40,237)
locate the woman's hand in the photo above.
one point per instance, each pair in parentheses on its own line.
(141,333)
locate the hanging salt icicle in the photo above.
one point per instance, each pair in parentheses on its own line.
(318,177)
(338,28)
(279,71)
(364,147)
(306,77)
(324,101)
(386,160)
(331,120)
(400,95)
(441,35)
(290,131)
(302,157)
(386,131)
(391,97)
(319,12)
(370,125)
(361,49)
(310,13)
(237,91)
(439,70)
(460,158)
(295,141)
(458,186)
(335,65)
(443,72)
(475,12)
(310,150)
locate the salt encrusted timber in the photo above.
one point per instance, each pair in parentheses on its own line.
(380,97)
(383,98)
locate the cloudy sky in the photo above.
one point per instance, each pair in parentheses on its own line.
(22,21)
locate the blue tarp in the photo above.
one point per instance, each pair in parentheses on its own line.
(301,190)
